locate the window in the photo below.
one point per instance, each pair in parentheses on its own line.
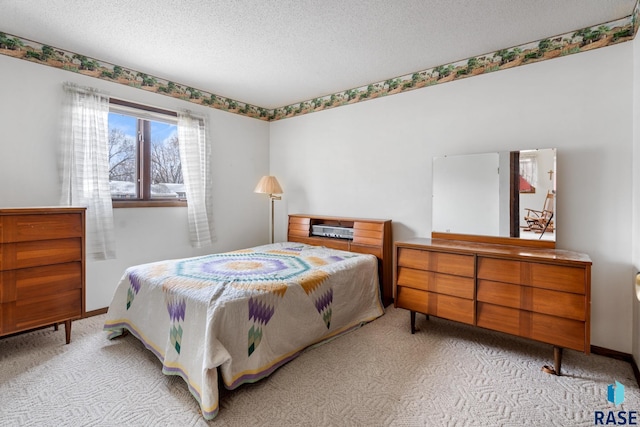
(144,156)
(528,172)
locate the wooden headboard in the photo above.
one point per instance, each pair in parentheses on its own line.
(370,236)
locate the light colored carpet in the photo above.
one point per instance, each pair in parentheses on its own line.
(445,374)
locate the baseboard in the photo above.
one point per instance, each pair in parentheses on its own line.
(95,312)
(618,355)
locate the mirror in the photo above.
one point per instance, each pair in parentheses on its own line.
(500,194)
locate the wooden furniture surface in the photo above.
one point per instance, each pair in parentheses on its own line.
(370,236)
(537,293)
(42,268)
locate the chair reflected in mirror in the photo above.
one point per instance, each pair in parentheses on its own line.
(540,221)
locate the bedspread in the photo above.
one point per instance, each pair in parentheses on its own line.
(245,312)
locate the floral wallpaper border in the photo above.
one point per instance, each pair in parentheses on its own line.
(582,40)
(47,55)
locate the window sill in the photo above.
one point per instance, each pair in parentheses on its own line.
(148,203)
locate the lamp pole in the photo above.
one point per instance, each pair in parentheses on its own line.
(273,197)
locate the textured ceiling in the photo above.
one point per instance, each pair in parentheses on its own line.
(273,53)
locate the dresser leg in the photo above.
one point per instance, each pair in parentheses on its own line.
(67,330)
(557,362)
(557,359)
(413,322)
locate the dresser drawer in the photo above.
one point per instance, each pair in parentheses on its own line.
(445,306)
(436,282)
(32,282)
(37,253)
(498,293)
(500,318)
(441,262)
(554,330)
(412,299)
(453,308)
(24,228)
(561,304)
(566,333)
(500,270)
(556,277)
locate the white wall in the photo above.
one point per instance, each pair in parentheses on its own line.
(373,159)
(30,101)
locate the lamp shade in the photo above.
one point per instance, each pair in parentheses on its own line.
(269,185)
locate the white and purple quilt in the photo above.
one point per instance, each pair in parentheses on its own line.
(245,312)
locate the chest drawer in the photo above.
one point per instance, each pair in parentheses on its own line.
(24,228)
(441,262)
(41,252)
(556,277)
(47,309)
(34,282)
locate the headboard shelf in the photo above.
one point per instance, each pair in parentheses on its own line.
(369,236)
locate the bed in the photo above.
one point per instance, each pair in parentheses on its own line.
(242,314)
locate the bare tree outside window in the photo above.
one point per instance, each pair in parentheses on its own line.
(122,156)
(165,161)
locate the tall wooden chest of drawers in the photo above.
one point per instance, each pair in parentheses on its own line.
(42,268)
(537,293)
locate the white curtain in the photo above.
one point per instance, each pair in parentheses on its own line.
(85,166)
(195,156)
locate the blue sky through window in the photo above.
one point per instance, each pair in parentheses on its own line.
(160,131)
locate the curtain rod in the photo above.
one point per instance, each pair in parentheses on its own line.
(84,89)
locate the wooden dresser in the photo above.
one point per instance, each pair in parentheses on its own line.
(537,293)
(42,268)
(370,236)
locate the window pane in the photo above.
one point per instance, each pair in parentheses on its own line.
(123,168)
(144,155)
(166,169)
